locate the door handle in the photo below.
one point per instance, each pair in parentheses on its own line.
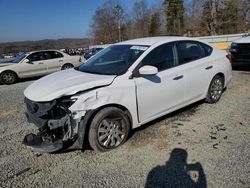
(178,77)
(209,67)
(40,63)
(60,60)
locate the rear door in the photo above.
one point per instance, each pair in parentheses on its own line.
(54,61)
(198,68)
(160,93)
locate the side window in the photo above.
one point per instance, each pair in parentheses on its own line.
(52,55)
(208,49)
(37,56)
(162,57)
(47,55)
(191,51)
(56,54)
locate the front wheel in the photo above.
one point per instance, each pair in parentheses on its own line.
(8,77)
(215,89)
(109,129)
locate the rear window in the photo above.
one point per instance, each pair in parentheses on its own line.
(53,54)
(208,49)
(56,54)
(191,51)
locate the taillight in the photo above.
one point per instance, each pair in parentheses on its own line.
(229,57)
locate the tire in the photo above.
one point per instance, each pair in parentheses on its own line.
(8,77)
(215,89)
(67,66)
(109,129)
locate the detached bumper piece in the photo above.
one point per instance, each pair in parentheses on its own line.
(42,144)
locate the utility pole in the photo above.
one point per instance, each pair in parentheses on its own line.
(118,11)
(213,24)
(119,30)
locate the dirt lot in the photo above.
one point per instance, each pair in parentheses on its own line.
(204,145)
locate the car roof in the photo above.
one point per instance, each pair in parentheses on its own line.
(149,41)
(42,51)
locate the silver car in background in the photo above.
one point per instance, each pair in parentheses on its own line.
(37,63)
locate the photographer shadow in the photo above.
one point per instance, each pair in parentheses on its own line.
(177,173)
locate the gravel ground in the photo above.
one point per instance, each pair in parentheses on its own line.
(202,145)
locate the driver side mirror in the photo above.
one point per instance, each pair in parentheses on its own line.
(148,70)
(27,61)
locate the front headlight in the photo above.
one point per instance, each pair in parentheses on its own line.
(65,103)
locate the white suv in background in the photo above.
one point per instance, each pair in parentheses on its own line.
(37,63)
(123,87)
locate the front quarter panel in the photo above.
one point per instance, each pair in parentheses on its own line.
(13,68)
(121,92)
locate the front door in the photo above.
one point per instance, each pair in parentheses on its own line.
(35,66)
(160,93)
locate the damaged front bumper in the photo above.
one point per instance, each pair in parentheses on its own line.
(56,124)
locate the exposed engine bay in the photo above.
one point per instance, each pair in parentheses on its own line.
(56,126)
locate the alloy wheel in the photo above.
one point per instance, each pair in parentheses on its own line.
(216,89)
(8,78)
(111,132)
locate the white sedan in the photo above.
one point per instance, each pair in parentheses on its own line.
(37,63)
(123,87)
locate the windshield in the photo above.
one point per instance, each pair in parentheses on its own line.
(113,60)
(19,58)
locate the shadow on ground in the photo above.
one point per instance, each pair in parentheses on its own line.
(176,173)
(241,68)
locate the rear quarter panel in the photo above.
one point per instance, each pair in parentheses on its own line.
(222,65)
(74,60)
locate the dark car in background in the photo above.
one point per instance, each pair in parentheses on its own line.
(90,52)
(240,51)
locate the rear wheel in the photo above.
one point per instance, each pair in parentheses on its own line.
(67,66)
(8,77)
(215,89)
(109,129)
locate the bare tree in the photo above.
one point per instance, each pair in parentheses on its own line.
(106,27)
(214,15)
(111,23)
(174,11)
(209,24)
(155,25)
(192,17)
(141,18)
(224,17)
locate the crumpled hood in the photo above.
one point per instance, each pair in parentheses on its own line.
(64,83)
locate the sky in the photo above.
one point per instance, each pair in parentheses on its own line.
(22,20)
